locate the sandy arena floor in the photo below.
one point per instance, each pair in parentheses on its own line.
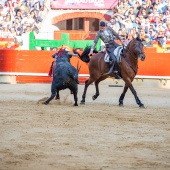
(97,136)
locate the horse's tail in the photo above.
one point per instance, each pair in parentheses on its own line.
(85,55)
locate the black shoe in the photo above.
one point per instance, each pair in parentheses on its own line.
(117,76)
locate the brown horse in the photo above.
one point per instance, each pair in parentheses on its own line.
(128,69)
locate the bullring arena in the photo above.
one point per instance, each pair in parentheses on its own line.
(99,135)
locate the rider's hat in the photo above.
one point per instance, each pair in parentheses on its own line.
(102,24)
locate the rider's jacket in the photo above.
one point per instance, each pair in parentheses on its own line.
(107,36)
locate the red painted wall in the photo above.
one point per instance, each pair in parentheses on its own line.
(156,64)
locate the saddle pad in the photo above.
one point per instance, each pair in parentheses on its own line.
(106,58)
(117,53)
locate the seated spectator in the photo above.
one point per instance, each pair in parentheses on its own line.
(151,17)
(7,20)
(167,32)
(132,33)
(148,42)
(12,33)
(122,34)
(114,24)
(144,13)
(141,19)
(135,32)
(136,23)
(153,34)
(141,34)
(146,6)
(128,39)
(161,39)
(167,10)
(5,32)
(131,14)
(147,26)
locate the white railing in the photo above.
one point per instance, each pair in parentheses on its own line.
(80,75)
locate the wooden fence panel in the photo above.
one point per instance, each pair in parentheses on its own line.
(155,64)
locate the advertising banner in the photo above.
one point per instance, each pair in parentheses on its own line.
(83,4)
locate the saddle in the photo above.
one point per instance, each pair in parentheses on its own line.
(117,52)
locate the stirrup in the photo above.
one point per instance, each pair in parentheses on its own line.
(117,76)
(110,71)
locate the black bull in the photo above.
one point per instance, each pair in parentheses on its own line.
(64,76)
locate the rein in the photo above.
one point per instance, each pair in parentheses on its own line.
(136,58)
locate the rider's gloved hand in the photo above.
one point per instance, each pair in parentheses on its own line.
(90,53)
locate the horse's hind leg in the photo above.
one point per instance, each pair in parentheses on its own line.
(87,83)
(97,87)
(123,95)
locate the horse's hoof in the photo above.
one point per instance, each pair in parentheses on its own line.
(93,97)
(57,98)
(142,106)
(45,103)
(82,102)
(75,104)
(121,104)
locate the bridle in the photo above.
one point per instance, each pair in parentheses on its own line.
(127,50)
(131,53)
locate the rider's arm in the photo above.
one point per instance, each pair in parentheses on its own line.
(95,42)
(115,34)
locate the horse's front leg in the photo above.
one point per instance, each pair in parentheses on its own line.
(87,83)
(97,86)
(136,97)
(123,95)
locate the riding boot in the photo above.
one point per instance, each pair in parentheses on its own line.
(111,68)
(116,72)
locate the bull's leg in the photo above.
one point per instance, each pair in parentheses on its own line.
(97,86)
(123,95)
(51,97)
(53,94)
(87,83)
(75,97)
(57,96)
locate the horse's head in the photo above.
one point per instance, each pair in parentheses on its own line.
(136,47)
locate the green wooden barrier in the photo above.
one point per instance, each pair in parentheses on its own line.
(65,40)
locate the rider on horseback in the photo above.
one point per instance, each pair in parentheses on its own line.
(107,35)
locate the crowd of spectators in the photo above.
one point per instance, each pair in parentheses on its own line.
(18,17)
(148,17)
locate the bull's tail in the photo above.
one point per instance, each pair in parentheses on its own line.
(73,75)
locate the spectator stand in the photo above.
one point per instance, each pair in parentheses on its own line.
(19,18)
(151,16)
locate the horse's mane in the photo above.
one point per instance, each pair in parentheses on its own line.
(128,46)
